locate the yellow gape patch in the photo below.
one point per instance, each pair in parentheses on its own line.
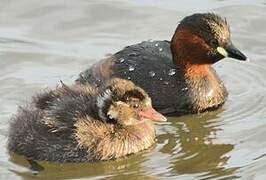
(222,51)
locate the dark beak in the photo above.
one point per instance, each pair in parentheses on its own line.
(233,52)
(151,114)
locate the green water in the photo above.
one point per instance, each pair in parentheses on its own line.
(42,42)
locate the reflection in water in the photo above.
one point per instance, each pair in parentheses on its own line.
(120,168)
(42,42)
(189,144)
(192,148)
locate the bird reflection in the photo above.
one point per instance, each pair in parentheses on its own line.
(186,145)
(119,168)
(194,147)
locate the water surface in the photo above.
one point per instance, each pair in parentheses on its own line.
(42,42)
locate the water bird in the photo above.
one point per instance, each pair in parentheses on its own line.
(81,123)
(183,81)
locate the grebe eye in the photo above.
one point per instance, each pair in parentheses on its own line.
(213,43)
(135,106)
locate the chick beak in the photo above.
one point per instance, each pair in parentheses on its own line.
(231,51)
(151,114)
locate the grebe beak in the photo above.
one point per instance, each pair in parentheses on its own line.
(231,51)
(151,114)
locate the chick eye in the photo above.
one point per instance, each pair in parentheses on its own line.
(135,105)
(213,43)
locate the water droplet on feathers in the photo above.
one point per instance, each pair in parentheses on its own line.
(131,68)
(171,72)
(152,73)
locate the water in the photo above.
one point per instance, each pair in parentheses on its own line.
(121,60)
(131,68)
(152,73)
(171,72)
(43,42)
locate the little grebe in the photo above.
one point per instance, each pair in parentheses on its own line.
(81,123)
(177,75)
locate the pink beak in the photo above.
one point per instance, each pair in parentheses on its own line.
(151,114)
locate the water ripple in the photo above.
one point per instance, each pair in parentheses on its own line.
(246,84)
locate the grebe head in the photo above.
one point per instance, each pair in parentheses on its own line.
(124,103)
(203,39)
